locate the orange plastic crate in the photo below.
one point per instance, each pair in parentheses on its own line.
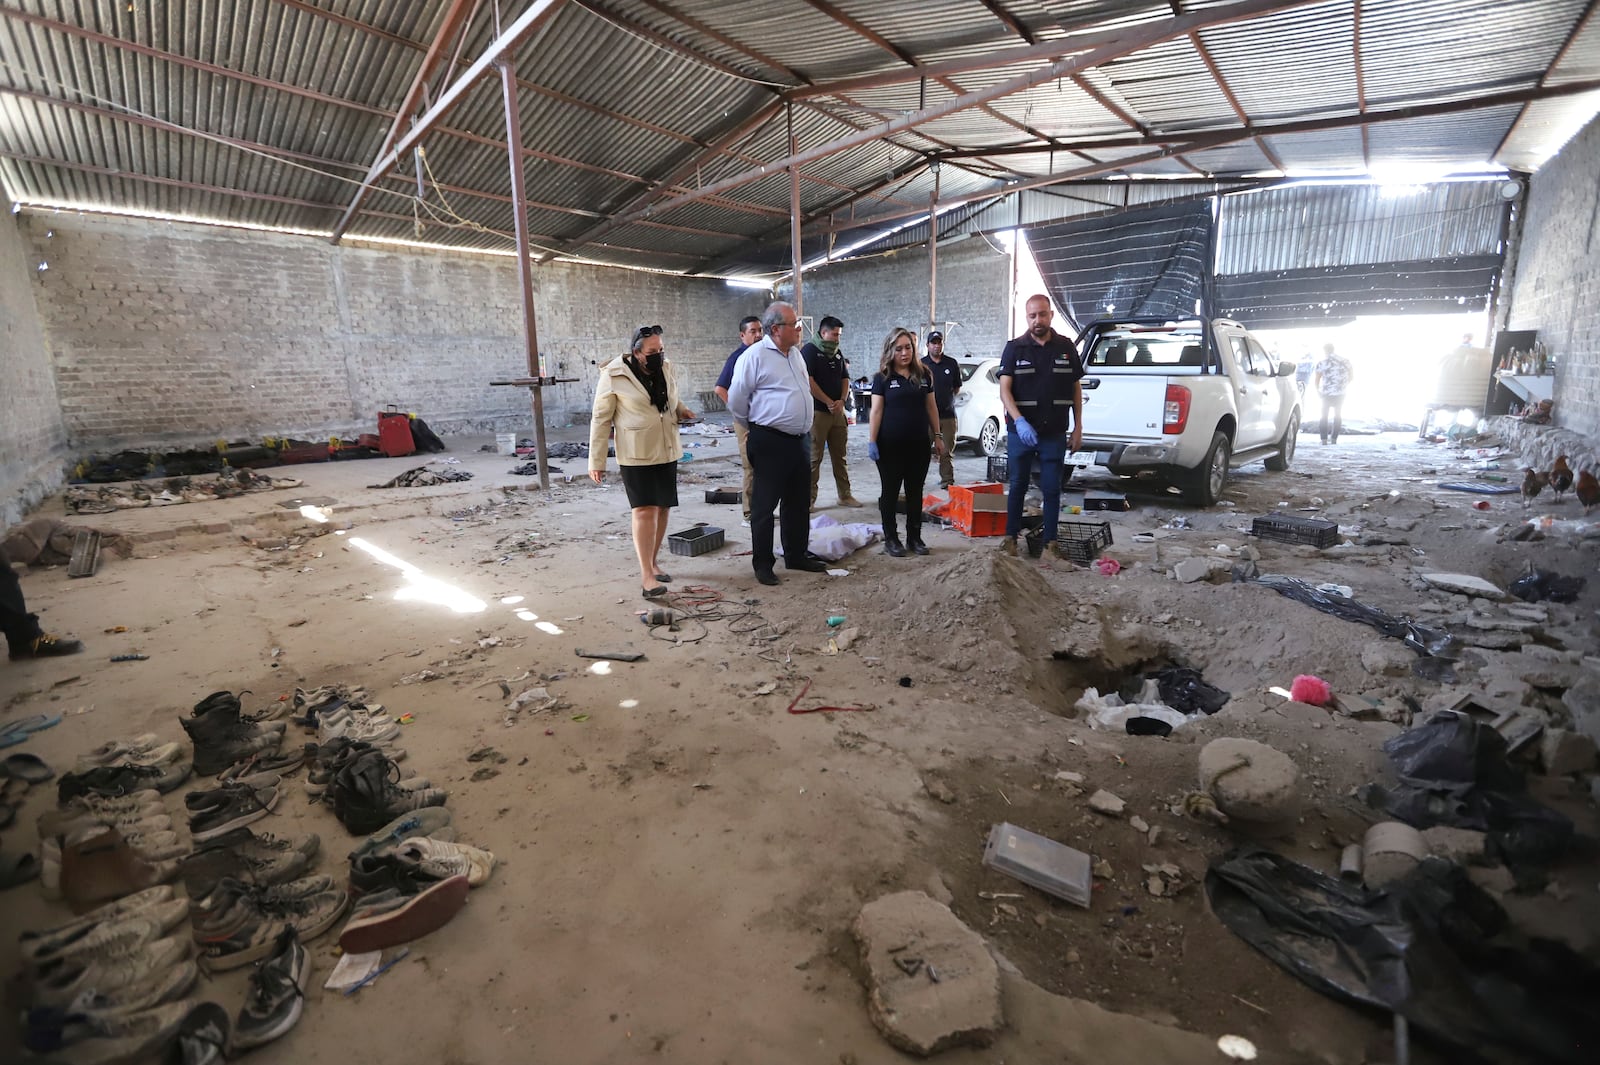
(978,509)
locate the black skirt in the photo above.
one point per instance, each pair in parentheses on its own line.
(651,486)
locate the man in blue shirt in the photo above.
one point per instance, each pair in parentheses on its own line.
(946,383)
(749,333)
(830,425)
(770,395)
(1041,389)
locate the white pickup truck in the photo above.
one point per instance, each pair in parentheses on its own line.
(1184,401)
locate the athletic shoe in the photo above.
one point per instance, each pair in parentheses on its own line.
(202,1039)
(169,985)
(395,918)
(277,994)
(432,821)
(133,749)
(352,728)
(134,905)
(44,645)
(107,781)
(59,983)
(104,1039)
(200,800)
(366,797)
(116,810)
(239,946)
(252,858)
(242,806)
(281,763)
(1008,546)
(143,923)
(443,860)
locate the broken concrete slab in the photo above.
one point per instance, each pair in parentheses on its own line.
(1562,751)
(1249,780)
(1464,583)
(1103,802)
(1582,701)
(1387,658)
(1460,845)
(1047,1027)
(931,981)
(1191,570)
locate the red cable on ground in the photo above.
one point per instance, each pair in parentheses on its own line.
(820,709)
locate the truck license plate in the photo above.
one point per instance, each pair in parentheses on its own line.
(1081,458)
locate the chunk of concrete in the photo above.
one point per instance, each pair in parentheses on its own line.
(1387,658)
(1562,752)
(1191,570)
(931,982)
(1103,802)
(1460,845)
(1582,701)
(1249,780)
(1465,584)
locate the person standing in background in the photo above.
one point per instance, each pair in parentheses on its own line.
(749,333)
(904,418)
(946,377)
(830,425)
(1041,388)
(1332,379)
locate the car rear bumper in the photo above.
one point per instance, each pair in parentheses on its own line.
(1132,457)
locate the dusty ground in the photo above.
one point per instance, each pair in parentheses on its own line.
(681,858)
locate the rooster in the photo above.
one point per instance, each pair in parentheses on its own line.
(1588,490)
(1560,477)
(1532,484)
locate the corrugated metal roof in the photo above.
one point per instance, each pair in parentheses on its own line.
(1309,226)
(130,107)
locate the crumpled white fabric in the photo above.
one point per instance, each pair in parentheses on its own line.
(1111,713)
(832,540)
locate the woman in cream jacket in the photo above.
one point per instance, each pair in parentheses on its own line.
(638,397)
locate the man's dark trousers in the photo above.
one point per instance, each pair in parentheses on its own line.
(18,625)
(782,466)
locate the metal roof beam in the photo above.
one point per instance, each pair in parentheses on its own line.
(1128,42)
(454,23)
(1233,101)
(1561,53)
(1054,49)
(535,16)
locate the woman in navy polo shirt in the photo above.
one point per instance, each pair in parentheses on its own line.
(904,418)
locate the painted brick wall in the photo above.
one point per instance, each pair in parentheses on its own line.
(33,440)
(166,333)
(875,295)
(1558,276)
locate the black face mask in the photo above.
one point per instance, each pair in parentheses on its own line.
(652,363)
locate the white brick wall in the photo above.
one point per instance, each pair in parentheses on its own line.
(165,333)
(33,441)
(1556,288)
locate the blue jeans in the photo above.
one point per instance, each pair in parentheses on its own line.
(1050,451)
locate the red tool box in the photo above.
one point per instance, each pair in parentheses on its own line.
(394,433)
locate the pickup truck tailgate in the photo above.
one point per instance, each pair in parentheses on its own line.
(1124,406)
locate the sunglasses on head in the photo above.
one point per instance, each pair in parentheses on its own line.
(646,331)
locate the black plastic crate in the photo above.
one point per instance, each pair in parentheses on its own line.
(1292,530)
(999,464)
(696,541)
(1082,541)
(723,495)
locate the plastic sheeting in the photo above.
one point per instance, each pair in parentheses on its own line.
(832,540)
(1433,948)
(1540,585)
(1420,638)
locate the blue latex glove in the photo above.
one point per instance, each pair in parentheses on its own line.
(872,450)
(1026,433)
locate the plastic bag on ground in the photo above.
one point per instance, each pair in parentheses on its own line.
(832,541)
(1110,713)
(1421,638)
(1541,585)
(1184,690)
(1433,948)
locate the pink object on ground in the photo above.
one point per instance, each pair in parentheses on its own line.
(1110,567)
(1312,690)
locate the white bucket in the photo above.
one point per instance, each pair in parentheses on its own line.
(506,443)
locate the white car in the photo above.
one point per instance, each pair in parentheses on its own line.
(980,417)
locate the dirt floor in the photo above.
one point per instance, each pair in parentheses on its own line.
(682,859)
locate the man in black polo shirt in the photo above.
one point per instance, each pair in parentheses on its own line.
(946,383)
(830,425)
(1041,388)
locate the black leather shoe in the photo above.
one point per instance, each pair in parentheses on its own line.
(766,576)
(893,546)
(808,565)
(917,547)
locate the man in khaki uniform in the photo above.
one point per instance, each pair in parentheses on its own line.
(830,425)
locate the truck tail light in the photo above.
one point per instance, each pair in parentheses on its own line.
(1176,415)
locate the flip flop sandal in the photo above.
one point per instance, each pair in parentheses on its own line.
(28,767)
(655,593)
(13,732)
(8,814)
(19,868)
(12,790)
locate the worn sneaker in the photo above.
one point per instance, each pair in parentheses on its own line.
(1008,546)
(432,821)
(202,1039)
(149,838)
(281,763)
(442,860)
(103,1039)
(101,810)
(59,982)
(399,918)
(133,749)
(366,797)
(133,905)
(45,645)
(252,858)
(106,938)
(107,781)
(353,728)
(204,799)
(242,806)
(277,994)
(169,985)
(248,942)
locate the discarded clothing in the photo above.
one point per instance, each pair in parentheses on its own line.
(1421,638)
(1183,689)
(1454,771)
(1480,488)
(1433,948)
(1110,712)
(48,542)
(530,469)
(832,540)
(1540,585)
(228,483)
(568,450)
(422,477)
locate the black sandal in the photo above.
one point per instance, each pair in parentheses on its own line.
(655,593)
(664,578)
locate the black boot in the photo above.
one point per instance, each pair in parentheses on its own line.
(914,537)
(893,546)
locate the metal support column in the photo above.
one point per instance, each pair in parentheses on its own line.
(794,219)
(933,253)
(519,212)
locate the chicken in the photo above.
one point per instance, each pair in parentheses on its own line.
(1532,484)
(1560,476)
(1588,490)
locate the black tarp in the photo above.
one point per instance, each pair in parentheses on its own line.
(1335,294)
(1150,262)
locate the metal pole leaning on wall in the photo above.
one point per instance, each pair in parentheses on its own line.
(519,211)
(794,220)
(933,255)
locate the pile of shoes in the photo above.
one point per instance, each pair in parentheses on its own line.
(109,985)
(18,774)
(238,923)
(95,848)
(223,735)
(336,712)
